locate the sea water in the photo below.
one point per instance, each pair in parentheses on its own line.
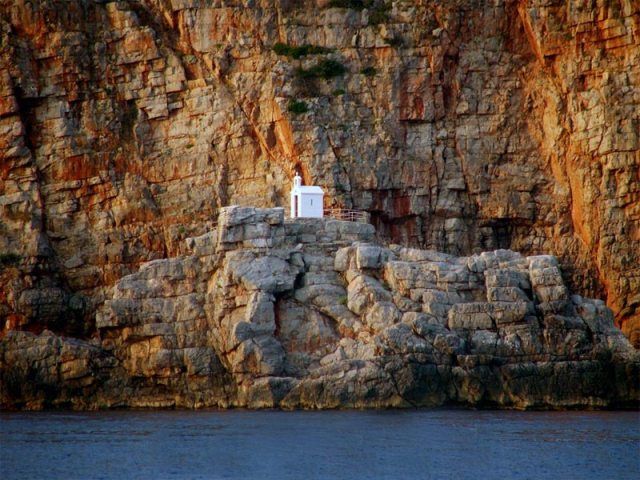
(238,444)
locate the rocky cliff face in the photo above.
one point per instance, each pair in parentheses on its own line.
(461,126)
(312,314)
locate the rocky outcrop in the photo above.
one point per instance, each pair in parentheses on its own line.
(314,313)
(36,371)
(460,126)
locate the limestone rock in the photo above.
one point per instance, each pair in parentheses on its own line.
(126,126)
(327,324)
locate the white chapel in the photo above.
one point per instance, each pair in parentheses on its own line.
(306,200)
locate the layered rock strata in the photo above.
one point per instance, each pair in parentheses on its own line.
(313,313)
(461,126)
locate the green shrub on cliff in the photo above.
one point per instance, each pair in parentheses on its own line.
(352,4)
(298,51)
(325,69)
(297,107)
(378,10)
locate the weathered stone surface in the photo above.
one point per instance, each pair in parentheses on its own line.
(473,316)
(324,325)
(40,371)
(125,126)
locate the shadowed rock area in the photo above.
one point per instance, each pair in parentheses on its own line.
(313,313)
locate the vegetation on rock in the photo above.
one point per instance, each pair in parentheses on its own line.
(378,10)
(352,4)
(298,51)
(325,69)
(297,106)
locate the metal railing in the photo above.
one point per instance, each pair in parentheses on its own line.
(347,215)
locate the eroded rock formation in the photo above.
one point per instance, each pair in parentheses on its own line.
(461,126)
(313,313)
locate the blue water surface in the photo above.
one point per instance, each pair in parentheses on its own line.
(237,444)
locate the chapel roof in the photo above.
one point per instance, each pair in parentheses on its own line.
(308,189)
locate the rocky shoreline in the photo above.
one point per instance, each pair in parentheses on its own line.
(312,313)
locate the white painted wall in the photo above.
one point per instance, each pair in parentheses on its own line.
(311,205)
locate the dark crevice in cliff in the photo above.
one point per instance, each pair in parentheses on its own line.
(67,313)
